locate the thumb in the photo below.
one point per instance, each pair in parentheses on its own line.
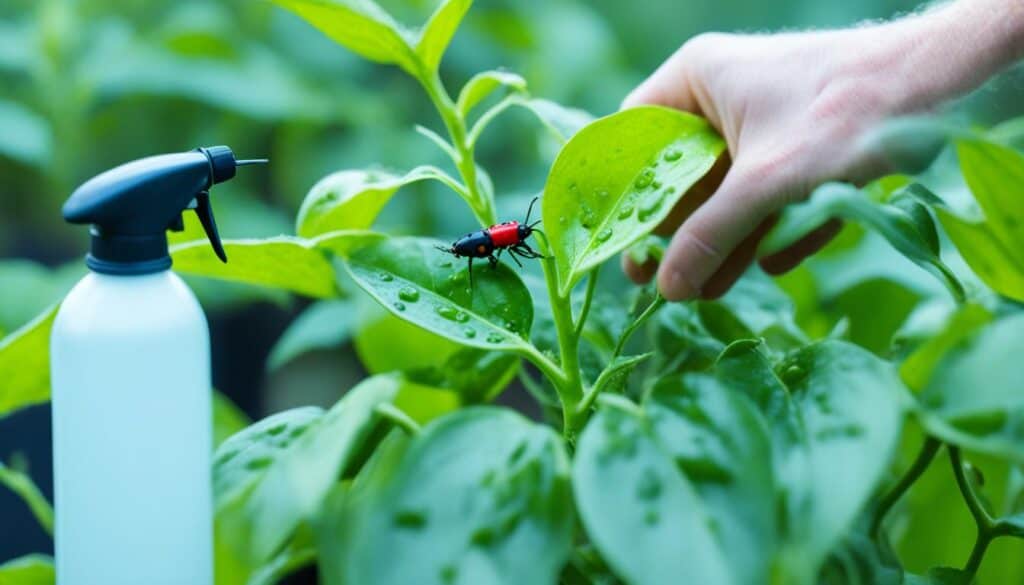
(744,200)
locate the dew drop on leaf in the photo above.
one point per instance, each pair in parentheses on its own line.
(656,185)
(409,294)
(649,486)
(461,317)
(259,463)
(604,235)
(413,519)
(650,206)
(447,312)
(385,277)
(495,338)
(469,332)
(627,210)
(645,179)
(399,305)
(673,154)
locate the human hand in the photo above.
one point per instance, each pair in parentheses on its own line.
(797,110)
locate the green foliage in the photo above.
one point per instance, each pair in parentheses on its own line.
(750,439)
(28,570)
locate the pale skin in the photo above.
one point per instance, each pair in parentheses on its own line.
(797,110)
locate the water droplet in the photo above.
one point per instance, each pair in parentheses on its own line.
(399,305)
(385,276)
(587,216)
(604,235)
(277,429)
(656,185)
(447,312)
(461,317)
(409,294)
(651,517)
(259,463)
(645,179)
(495,338)
(649,486)
(673,154)
(627,211)
(469,332)
(650,206)
(483,536)
(602,193)
(793,374)
(448,574)
(413,519)
(563,220)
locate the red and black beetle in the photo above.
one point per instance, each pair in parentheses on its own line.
(491,242)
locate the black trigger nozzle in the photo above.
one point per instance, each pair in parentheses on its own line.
(205,213)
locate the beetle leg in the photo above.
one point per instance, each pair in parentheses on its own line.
(512,254)
(529,252)
(493,261)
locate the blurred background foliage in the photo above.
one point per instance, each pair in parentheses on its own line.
(88,84)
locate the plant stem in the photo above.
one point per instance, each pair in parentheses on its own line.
(481,203)
(924,457)
(628,331)
(982,519)
(23,486)
(398,417)
(581,320)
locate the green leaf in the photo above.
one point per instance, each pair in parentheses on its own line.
(904,224)
(361,26)
(26,137)
(993,246)
(564,122)
(228,419)
(299,478)
(323,325)
(239,463)
(721,443)
(639,510)
(439,30)
(294,264)
(917,369)
(22,485)
(25,364)
(479,496)
(483,85)
(836,414)
(973,397)
(420,284)
(31,569)
(352,199)
(617,179)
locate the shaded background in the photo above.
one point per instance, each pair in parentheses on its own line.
(87,85)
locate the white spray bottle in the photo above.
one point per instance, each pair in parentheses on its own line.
(130,365)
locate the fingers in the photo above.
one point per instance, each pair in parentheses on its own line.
(707,238)
(639,273)
(788,259)
(737,263)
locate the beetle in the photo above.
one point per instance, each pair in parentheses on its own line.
(491,242)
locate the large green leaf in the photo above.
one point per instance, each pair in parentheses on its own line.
(903,221)
(361,26)
(480,496)
(239,464)
(836,415)
(917,369)
(439,30)
(25,364)
(323,325)
(228,419)
(722,445)
(28,570)
(299,478)
(294,264)
(639,509)
(423,285)
(617,179)
(973,397)
(352,199)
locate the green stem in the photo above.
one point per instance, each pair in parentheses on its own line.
(481,203)
(982,519)
(23,486)
(581,320)
(398,417)
(928,450)
(628,332)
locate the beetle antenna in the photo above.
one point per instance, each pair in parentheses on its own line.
(529,210)
(445,250)
(534,223)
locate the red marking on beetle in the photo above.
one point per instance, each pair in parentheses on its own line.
(505,234)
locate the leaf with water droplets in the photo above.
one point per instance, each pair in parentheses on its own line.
(473,495)
(836,413)
(405,276)
(639,510)
(617,179)
(721,443)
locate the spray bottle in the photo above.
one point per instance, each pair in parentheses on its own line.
(130,365)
